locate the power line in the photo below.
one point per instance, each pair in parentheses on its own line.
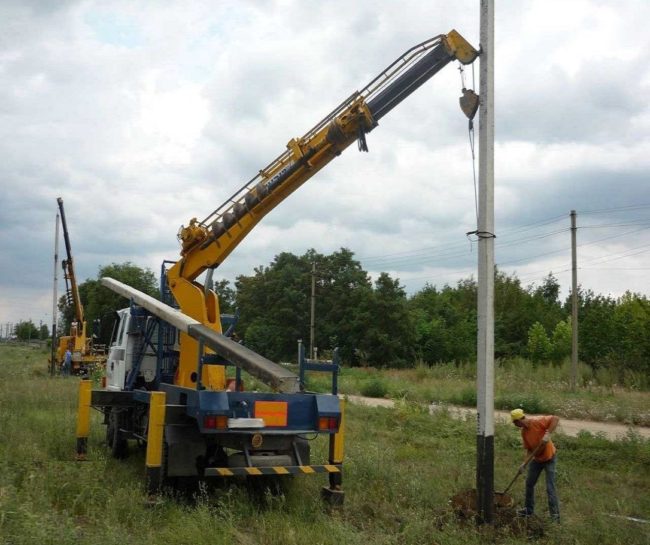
(579,246)
(530,226)
(502,235)
(626,253)
(535,237)
(616,209)
(420,258)
(443,250)
(600,225)
(615,268)
(423,255)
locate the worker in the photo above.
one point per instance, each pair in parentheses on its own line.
(67,363)
(536,436)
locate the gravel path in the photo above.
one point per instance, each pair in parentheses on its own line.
(568,427)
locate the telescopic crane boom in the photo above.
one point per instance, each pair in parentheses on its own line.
(205,244)
(71,287)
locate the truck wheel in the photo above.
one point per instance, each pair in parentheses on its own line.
(118,443)
(110,425)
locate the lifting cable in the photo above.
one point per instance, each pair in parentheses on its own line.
(469,104)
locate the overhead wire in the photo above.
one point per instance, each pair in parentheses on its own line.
(603,259)
(563,267)
(424,254)
(505,234)
(615,209)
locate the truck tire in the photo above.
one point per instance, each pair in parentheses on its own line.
(118,444)
(109,430)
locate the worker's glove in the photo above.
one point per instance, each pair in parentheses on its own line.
(546,438)
(522,468)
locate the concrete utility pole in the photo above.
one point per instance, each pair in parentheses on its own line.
(54,313)
(574,302)
(312,320)
(485,341)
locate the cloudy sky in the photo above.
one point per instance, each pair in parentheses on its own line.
(144,115)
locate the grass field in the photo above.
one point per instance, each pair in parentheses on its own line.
(542,389)
(402,467)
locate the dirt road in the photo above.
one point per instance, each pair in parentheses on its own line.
(568,427)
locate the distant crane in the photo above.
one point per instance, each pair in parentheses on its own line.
(85,356)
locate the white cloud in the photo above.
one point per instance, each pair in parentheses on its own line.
(142,116)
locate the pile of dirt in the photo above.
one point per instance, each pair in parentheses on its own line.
(464,505)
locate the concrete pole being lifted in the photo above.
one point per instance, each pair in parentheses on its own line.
(485,307)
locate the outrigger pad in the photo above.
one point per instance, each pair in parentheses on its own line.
(332,496)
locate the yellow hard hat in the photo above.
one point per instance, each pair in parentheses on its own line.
(517,414)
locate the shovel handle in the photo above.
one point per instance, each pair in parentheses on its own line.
(526,462)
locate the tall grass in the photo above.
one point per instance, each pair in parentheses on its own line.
(518,383)
(402,466)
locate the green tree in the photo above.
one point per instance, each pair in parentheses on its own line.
(561,341)
(539,345)
(226,295)
(26,330)
(544,304)
(343,304)
(273,305)
(549,290)
(513,315)
(389,333)
(368,324)
(444,322)
(631,324)
(596,328)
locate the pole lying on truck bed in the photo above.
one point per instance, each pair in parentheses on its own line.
(270,373)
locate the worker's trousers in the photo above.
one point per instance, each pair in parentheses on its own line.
(535,468)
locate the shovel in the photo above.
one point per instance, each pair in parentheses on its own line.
(521,470)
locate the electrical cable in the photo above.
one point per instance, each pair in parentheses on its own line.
(616,209)
(406,258)
(600,225)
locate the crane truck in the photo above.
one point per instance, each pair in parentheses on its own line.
(86,355)
(166,384)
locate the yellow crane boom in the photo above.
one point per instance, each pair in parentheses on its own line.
(205,244)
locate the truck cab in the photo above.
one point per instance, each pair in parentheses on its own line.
(131,360)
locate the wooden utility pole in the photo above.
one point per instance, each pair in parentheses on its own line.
(312,320)
(574,302)
(485,341)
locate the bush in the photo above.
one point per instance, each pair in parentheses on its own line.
(374,388)
(465,398)
(529,402)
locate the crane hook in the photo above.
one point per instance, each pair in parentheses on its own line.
(469,103)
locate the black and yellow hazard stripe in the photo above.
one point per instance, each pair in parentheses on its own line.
(273,470)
